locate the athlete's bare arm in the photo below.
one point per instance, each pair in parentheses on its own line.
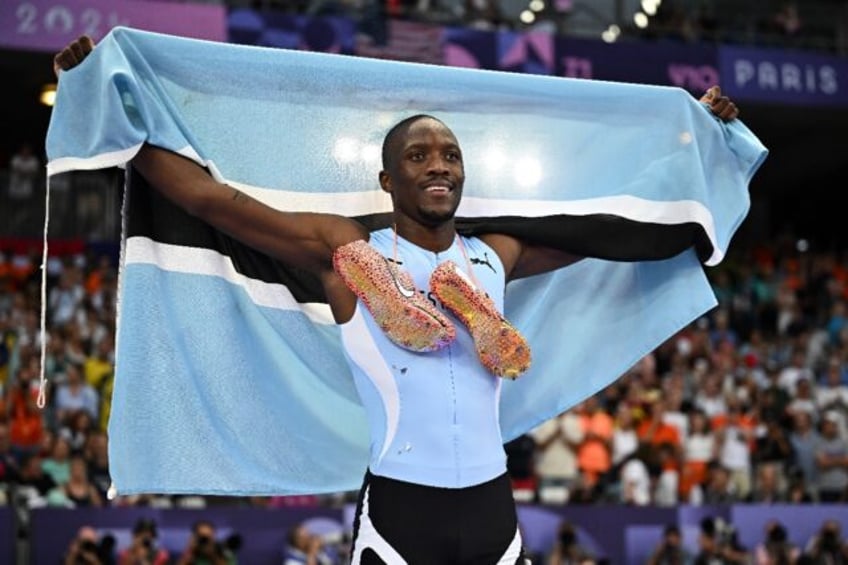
(301,239)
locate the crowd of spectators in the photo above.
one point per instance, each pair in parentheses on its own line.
(748,404)
(814,24)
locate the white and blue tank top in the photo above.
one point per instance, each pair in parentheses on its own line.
(433,416)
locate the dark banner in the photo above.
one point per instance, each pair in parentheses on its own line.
(7,535)
(785,77)
(287,31)
(623,534)
(503,51)
(692,67)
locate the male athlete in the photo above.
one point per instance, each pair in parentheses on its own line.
(436,491)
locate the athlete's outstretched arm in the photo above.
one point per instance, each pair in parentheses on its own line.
(301,239)
(304,240)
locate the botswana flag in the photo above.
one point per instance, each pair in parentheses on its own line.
(230,377)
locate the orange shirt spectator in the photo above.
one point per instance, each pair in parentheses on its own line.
(594,456)
(655,431)
(26,424)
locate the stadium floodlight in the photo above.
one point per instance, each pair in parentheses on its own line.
(611,33)
(650,7)
(48,94)
(537,5)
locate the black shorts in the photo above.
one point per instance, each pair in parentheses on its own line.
(404,523)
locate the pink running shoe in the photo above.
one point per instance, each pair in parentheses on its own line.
(500,347)
(405,315)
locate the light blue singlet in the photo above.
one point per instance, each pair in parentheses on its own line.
(433,416)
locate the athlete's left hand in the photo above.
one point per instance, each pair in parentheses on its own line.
(721,106)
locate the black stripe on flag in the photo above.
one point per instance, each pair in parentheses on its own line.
(602,236)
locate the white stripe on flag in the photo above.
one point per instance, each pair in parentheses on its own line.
(200,261)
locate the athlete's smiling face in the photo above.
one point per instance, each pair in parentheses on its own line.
(424,172)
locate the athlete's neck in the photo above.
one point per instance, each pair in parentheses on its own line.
(434,238)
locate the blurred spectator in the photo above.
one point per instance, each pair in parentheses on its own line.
(717,487)
(795,371)
(76,429)
(798,491)
(698,450)
(144,549)
(718,544)
(654,430)
(78,490)
(786,21)
(670,550)
(773,398)
(97,456)
(804,439)
(776,549)
(305,548)
(34,485)
(567,550)
(803,400)
(832,392)
(84,549)
(99,373)
(625,441)
(58,463)
(832,461)
(593,454)
(556,456)
(9,467)
(520,454)
(667,485)
(768,487)
(482,14)
(735,436)
(66,297)
(204,548)
(24,169)
(774,446)
(634,479)
(27,426)
(710,399)
(75,395)
(827,546)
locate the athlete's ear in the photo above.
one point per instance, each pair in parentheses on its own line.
(385,182)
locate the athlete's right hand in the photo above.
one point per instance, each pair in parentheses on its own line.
(73,54)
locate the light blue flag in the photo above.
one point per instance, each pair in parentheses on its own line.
(230,376)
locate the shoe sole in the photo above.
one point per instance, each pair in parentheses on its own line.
(500,346)
(405,316)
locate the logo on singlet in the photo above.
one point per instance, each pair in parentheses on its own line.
(405,292)
(478,261)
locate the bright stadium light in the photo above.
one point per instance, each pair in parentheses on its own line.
(527,172)
(494,160)
(370,153)
(641,20)
(537,5)
(346,150)
(650,7)
(48,94)
(527,17)
(611,33)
